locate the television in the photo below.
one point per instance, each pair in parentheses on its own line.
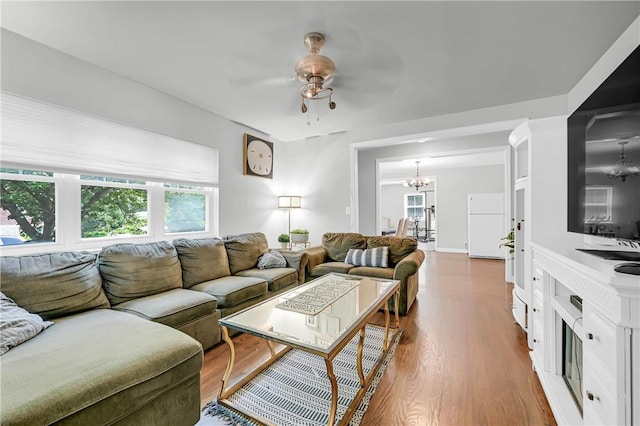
(604,158)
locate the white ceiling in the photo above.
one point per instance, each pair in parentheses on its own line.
(396,61)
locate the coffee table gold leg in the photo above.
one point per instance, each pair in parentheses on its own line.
(385,342)
(273,352)
(334,392)
(359,358)
(232,358)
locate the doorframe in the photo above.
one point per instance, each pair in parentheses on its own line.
(508,183)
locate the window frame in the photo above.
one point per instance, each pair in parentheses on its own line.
(78,209)
(407,206)
(608,204)
(68,212)
(203,190)
(56,179)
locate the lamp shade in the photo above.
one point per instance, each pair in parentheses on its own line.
(289,201)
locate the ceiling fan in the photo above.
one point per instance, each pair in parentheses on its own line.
(315,71)
(367,72)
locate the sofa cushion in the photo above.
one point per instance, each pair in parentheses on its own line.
(244,250)
(325,268)
(233,290)
(130,271)
(378,257)
(369,271)
(276,278)
(174,308)
(94,367)
(201,259)
(398,247)
(17,325)
(54,284)
(337,245)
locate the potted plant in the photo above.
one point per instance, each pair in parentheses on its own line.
(299,236)
(509,241)
(283,239)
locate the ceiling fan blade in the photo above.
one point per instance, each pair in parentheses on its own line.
(263,82)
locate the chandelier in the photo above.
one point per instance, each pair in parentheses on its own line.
(315,70)
(418,181)
(621,170)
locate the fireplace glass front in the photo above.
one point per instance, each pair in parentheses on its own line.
(572,363)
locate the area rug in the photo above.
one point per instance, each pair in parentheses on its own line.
(295,389)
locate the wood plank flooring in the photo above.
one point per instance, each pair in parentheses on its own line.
(461,359)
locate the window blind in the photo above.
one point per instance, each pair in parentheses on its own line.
(49,137)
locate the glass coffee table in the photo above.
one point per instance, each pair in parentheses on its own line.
(319,317)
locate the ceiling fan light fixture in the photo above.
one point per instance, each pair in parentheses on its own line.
(315,66)
(315,70)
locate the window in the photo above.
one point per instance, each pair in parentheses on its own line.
(597,204)
(113,207)
(86,211)
(185,208)
(414,205)
(27,206)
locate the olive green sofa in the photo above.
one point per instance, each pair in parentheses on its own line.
(404,261)
(114,354)
(227,269)
(94,365)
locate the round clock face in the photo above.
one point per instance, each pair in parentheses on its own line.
(259,158)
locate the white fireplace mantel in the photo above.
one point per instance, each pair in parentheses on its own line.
(608,326)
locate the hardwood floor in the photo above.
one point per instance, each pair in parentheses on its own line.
(461,359)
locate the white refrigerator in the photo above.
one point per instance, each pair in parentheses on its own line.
(486,225)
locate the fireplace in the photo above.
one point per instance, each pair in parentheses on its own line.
(572,371)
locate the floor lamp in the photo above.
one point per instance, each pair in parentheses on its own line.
(289,202)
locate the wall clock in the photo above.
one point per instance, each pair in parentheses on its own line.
(258,157)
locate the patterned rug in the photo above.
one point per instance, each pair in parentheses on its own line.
(295,389)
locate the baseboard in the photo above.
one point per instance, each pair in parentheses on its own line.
(451,250)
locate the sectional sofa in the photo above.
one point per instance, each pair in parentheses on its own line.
(402,261)
(129,327)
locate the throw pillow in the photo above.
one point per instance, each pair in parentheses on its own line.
(17,325)
(378,257)
(272,259)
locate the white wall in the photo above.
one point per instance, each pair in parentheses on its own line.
(392,202)
(451,200)
(549,181)
(318,170)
